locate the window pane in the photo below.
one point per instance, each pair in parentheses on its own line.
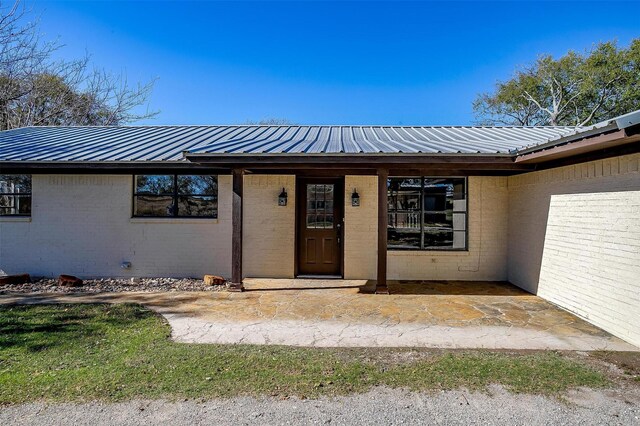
(150,205)
(12,202)
(320,206)
(328,221)
(198,185)
(15,205)
(440,194)
(405,239)
(404,194)
(438,238)
(459,221)
(429,209)
(459,239)
(405,220)
(154,184)
(439,220)
(328,192)
(406,201)
(311,221)
(197,206)
(15,184)
(405,184)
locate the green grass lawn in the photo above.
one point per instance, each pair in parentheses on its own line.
(115,352)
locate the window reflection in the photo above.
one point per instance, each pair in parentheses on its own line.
(15,195)
(176,196)
(319,206)
(427,213)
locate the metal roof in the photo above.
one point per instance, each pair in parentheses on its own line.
(170,143)
(616,123)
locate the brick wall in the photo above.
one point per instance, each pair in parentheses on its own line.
(574,239)
(361,228)
(268,245)
(485,259)
(82,225)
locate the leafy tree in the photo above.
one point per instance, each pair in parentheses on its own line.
(574,90)
(36,90)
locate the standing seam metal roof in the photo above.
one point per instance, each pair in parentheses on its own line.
(169,143)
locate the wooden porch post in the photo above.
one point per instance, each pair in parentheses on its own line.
(383,219)
(236,237)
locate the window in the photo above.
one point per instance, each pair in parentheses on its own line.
(15,195)
(427,213)
(319,206)
(175,196)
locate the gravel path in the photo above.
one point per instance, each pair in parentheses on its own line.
(379,406)
(111,285)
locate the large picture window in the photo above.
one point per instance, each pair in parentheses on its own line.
(427,213)
(175,196)
(15,195)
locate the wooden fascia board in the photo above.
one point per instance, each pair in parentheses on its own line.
(372,160)
(68,167)
(582,146)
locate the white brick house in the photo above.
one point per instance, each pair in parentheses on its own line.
(553,210)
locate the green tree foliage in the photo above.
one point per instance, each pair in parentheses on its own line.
(574,90)
(36,90)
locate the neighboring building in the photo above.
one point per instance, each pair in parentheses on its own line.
(554,210)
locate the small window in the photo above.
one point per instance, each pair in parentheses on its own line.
(427,213)
(175,196)
(15,195)
(320,206)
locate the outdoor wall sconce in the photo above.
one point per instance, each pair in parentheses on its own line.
(355,198)
(282,198)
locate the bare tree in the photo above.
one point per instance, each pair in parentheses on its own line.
(35,90)
(271,122)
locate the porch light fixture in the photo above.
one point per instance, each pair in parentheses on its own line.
(355,198)
(282,198)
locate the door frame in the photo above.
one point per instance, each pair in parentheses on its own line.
(339,188)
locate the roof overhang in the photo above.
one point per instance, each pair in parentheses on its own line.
(363,162)
(112,167)
(587,145)
(604,137)
(396,164)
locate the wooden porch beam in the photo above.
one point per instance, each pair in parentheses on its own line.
(383,219)
(236,237)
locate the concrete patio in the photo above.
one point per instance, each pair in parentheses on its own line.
(330,313)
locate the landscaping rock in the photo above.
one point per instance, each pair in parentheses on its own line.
(112,285)
(214,280)
(69,281)
(15,279)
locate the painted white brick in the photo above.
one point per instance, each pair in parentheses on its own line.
(268,241)
(574,239)
(82,225)
(361,228)
(485,259)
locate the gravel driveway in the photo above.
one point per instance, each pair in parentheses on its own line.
(379,406)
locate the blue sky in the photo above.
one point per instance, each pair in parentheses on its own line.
(325,63)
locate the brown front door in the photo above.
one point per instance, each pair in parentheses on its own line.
(320,226)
